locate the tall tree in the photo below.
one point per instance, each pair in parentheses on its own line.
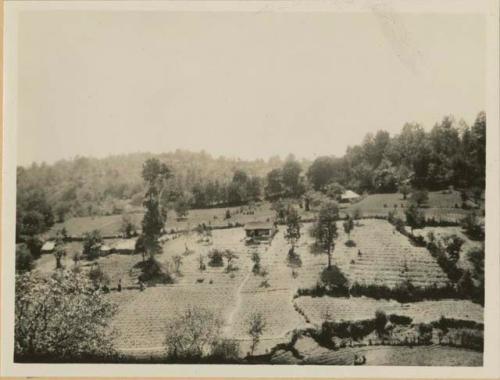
(291,178)
(155,175)
(414,217)
(292,227)
(348,226)
(325,229)
(274,186)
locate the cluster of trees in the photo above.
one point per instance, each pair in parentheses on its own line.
(450,154)
(89,186)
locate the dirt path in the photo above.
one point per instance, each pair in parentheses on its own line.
(239,297)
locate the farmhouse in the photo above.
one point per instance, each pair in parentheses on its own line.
(349,196)
(48,247)
(125,246)
(263,231)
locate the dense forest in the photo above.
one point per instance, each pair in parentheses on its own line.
(450,154)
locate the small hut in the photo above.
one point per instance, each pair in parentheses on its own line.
(260,231)
(48,247)
(349,196)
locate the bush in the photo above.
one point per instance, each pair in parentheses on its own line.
(153,272)
(472,227)
(293,259)
(471,339)
(34,245)
(380,321)
(350,243)
(24,259)
(98,277)
(404,292)
(256,263)
(225,351)
(193,334)
(450,323)
(355,330)
(424,333)
(400,320)
(332,278)
(216,258)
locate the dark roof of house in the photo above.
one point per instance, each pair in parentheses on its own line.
(259,226)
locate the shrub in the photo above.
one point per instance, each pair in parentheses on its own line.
(34,245)
(192,334)
(91,244)
(293,259)
(24,259)
(403,292)
(420,197)
(444,324)
(424,333)
(256,326)
(264,284)
(350,329)
(471,339)
(216,258)
(153,272)
(225,351)
(380,321)
(256,263)
(472,227)
(400,320)
(98,277)
(350,243)
(333,278)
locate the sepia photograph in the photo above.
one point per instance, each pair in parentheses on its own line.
(262,184)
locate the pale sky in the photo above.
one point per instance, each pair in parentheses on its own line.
(248,85)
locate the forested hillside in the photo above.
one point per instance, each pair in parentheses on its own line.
(450,154)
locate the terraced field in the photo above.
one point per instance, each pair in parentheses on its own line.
(386,258)
(383,256)
(442,232)
(358,308)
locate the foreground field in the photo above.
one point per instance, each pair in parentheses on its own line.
(434,355)
(381,256)
(235,295)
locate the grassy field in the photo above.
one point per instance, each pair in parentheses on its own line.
(215,217)
(440,206)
